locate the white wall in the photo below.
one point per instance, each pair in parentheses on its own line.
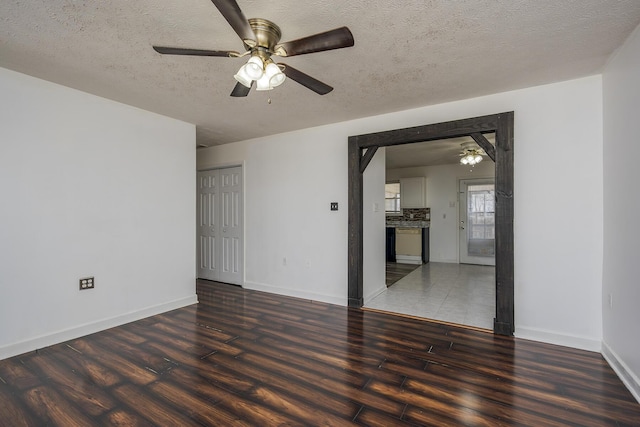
(89,187)
(621,281)
(292,177)
(442,199)
(373,220)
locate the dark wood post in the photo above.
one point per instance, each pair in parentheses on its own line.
(355,249)
(504,321)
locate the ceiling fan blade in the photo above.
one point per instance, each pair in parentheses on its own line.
(332,39)
(234,16)
(240,90)
(306,80)
(194,52)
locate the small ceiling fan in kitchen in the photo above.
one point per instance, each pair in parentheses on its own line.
(471,154)
(261,39)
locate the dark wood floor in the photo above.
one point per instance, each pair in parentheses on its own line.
(249,358)
(395,271)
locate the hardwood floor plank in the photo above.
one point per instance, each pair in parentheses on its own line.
(206,369)
(307,412)
(88,369)
(112,359)
(372,418)
(343,390)
(124,418)
(204,411)
(51,408)
(284,384)
(12,410)
(246,358)
(151,407)
(13,371)
(91,399)
(395,271)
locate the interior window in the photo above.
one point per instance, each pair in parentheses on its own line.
(392,197)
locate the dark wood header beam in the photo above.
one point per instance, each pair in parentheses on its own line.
(453,129)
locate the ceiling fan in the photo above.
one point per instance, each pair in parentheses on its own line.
(261,41)
(471,154)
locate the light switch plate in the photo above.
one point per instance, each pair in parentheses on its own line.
(86,283)
(334,206)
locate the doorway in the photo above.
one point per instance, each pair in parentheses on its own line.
(477,221)
(220,226)
(362,148)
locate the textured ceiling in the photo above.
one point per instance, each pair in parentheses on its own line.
(407,54)
(431,153)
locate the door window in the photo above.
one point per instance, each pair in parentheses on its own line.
(481,220)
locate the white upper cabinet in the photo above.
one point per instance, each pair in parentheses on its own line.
(413,192)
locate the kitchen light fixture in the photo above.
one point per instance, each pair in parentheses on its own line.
(471,154)
(266,74)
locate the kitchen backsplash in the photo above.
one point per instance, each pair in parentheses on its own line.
(421,214)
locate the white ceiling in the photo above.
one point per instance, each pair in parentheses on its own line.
(431,153)
(407,54)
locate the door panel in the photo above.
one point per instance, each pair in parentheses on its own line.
(207,203)
(231,208)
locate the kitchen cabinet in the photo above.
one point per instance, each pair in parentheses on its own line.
(412,192)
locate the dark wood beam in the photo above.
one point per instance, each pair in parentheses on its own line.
(366,158)
(433,132)
(485,145)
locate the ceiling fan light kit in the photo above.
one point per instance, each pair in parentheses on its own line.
(261,40)
(471,159)
(254,67)
(471,154)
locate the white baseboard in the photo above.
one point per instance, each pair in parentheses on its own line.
(550,337)
(92,327)
(263,287)
(443,260)
(626,375)
(374,294)
(408,259)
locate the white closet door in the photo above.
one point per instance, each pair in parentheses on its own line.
(220,227)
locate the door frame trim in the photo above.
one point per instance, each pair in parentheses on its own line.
(361,149)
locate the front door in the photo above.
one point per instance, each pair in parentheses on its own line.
(220,225)
(477,222)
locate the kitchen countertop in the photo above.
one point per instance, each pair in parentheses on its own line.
(408,224)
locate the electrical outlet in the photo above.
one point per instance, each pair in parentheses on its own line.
(610,300)
(87,283)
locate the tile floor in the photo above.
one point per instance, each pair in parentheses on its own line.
(456,293)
